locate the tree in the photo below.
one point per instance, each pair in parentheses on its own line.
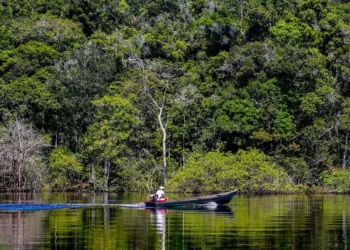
(105,15)
(345,125)
(158,83)
(84,74)
(107,139)
(26,60)
(185,98)
(20,147)
(61,34)
(64,168)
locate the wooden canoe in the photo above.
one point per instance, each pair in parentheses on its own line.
(220,199)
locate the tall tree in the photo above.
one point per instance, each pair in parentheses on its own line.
(158,82)
(108,139)
(345,125)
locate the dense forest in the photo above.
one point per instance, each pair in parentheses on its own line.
(200,96)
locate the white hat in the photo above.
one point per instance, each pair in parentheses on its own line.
(161,187)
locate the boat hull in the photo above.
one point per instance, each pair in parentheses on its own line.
(220,199)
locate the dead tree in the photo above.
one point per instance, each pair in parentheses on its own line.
(20,147)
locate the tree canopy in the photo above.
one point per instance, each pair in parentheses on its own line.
(130,94)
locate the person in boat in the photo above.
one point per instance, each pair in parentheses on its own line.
(159,196)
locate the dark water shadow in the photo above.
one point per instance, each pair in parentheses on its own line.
(225,210)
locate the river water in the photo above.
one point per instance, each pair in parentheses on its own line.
(255,222)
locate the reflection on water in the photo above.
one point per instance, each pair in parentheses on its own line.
(160,215)
(18,229)
(260,222)
(159,218)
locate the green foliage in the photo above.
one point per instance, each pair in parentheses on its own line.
(336,180)
(62,34)
(136,174)
(5,42)
(239,115)
(284,127)
(310,102)
(108,139)
(29,97)
(63,161)
(248,171)
(293,30)
(12,9)
(345,117)
(26,59)
(297,169)
(64,167)
(96,15)
(223,75)
(116,121)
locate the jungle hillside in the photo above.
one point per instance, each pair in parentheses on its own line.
(199,96)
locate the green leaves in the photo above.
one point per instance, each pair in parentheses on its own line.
(62,160)
(248,171)
(97,75)
(310,102)
(116,120)
(284,127)
(345,116)
(30,97)
(293,31)
(26,59)
(64,167)
(62,34)
(336,180)
(239,116)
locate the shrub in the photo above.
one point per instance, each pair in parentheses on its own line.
(248,171)
(336,180)
(64,168)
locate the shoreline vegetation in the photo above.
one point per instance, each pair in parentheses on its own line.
(199,96)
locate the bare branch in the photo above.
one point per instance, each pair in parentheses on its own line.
(20,147)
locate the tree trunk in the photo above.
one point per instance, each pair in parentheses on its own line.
(19,146)
(93,176)
(241,21)
(20,156)
(56,139)
(345,149)
(106,177)
(163,145)
(183,144)
(19,179)
(160,108)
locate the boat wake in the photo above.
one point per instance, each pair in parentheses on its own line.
(38,207)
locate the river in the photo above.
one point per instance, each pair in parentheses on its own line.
(248,222)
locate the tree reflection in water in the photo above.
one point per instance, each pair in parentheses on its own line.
(258,222)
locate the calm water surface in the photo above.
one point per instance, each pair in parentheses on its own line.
(259,222)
